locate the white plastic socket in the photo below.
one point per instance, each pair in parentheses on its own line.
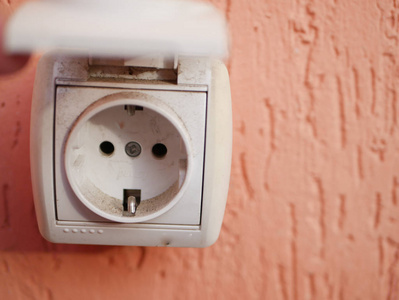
(114,146)
(98,116)
(79,183)
(131,131)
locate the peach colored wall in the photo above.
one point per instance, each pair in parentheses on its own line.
(313,209)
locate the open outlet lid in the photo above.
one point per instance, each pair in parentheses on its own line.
(119,28)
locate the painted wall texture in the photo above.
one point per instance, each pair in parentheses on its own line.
(313,208)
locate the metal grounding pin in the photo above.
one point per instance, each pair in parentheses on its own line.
(131,204)
(131,109)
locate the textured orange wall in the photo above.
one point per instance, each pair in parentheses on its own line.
(313,209)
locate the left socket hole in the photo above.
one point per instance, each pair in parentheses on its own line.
(107,148)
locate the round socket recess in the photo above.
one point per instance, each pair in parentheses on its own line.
(128,160)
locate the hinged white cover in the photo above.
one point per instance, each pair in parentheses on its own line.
(122,28)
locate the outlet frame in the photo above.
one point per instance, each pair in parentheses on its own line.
(187,210)
(193,74)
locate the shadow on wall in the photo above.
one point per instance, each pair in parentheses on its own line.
(18,225)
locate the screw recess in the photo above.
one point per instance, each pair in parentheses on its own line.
(133,149)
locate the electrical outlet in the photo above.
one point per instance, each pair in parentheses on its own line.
(131,130)
(168,136)
(134,161)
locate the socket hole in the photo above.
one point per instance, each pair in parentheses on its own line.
(136,107)
(159,150)
(107,148)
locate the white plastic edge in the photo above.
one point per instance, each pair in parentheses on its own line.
(119,28)
(41,148)
(219,140)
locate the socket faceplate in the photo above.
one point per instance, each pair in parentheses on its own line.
(87,117)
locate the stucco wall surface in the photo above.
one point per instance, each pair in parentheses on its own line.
(313,208)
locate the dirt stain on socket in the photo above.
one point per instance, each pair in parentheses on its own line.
(114,206)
